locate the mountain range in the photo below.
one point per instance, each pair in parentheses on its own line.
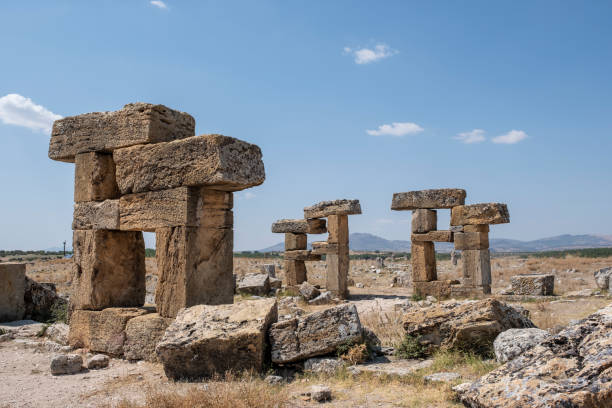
(368,242)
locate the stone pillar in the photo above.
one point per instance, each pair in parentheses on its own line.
(423,259)
(338,263)
(476,265)
(108,269)
(195,264)
(295,269)
(12,291)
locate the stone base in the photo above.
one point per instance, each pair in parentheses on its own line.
(441,289)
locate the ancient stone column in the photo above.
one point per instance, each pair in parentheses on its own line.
(12,291)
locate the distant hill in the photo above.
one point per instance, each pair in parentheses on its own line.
(369,242)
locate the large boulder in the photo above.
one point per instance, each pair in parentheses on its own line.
(66,364)
(513,342)
(208,339)
(571,369)
(603,278)
(468,326)
(315,334)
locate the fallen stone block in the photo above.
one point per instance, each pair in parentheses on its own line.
(430,199)
(66,364)
(269,269)
(571,369)
(94,177)
(12,291)
(423,259)
(41,299)
(467,326)
(336,207)
(441,289)
(96,215)
(511,343)
(603,277)
(533,284)
(205,340)
(98,362)
(257,284)
(324,298)
(217,161)
(142,333)
(478,214)
(108,269)
(295,241)
(315,334)
(308,291)
(471,240)
(101,331)
(58,332)
(424,221)
(433,236)
(177,207)
(134,124)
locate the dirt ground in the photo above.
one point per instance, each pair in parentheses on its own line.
(26,380)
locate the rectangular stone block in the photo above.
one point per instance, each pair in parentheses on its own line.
(433,236)
(471,240)
(142,333)
(428,199)
(336,207)
(476,265)
(182,206)
(324,247)
(136,123)
(12,291)
(301,226)
(295,272)
(101,331)
(217,161)
(338,262)
(423,259)
(337,226)
(475,228)
(301,255)
(195,266)
(424,221)
(295,241)
(317,226)
(94,177)
(440,289)
(108,269)
(533,284)
(96,215)
(478,214)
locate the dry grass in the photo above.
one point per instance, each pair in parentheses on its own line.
(387,324)
(549,315)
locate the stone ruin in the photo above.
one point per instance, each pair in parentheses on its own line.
(139,169)
(469,232)
(336,248)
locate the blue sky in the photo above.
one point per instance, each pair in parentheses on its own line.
(346,99)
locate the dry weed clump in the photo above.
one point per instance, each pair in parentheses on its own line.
(248,392)
(387,325)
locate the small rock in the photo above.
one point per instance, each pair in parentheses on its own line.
(603,278)
(320,393)
(66,364)
(58,332)
(274,379)
(323,365)
(98,361)
(431,299)
(444,377)
(323,299)
(308,291)
(359,285)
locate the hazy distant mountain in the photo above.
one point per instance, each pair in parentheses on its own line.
(369,242)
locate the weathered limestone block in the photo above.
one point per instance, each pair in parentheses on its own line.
(94,177)
(12,291)
(477,214)
(177,207)
(142,334)
(424,221)
(513,342)
(337,227)
(254,284)
(572,369)
(338,263)
(423,259)
(136,123)
(40,299)
(217,161)
(96,215)
(431,199)
(324,247)
(302,226)
(433,236)
(533,284)
(603,278)
(315,334)
(66,364)
(475,228)
(295,241)
(195,266)
(101,331)
(440,289)
(295,272)
(205,340)
(476,266)
(108,270)
(471,240)
(317,226)
(309,291)
(336,207)
(301,255)
(463,326)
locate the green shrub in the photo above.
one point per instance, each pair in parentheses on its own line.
(410,348)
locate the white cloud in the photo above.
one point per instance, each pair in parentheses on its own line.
(396,129)
(512,137)
(21,111)
(159,4)
(473,136)
(367,55)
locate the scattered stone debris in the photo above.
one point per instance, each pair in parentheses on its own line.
(325,365)
(513,342)
(390,367)
(97,362)
(66,364)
